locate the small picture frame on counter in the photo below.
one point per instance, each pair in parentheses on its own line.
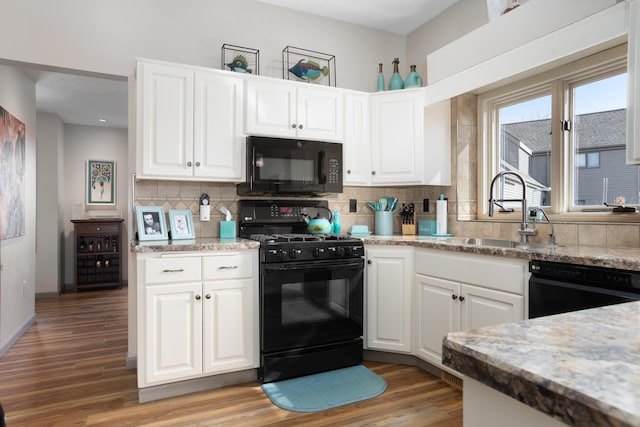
(151,223)
(181,224)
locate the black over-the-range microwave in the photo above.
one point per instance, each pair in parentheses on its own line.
(292,167)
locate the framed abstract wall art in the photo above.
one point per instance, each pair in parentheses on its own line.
(12,164)
(101,182)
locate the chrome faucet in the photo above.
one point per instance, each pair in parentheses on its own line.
(552,235)
(524,231)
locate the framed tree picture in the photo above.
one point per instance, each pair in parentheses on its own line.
(181,224)
(101,182)
(151,223)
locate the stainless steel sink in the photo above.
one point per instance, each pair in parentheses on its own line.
(499,243)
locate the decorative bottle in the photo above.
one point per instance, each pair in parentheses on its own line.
(413,79)
(396,82)
(335,228)
(380,79)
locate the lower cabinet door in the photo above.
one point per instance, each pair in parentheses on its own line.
(438,314)
(174,332)
(228,326)
(488,307)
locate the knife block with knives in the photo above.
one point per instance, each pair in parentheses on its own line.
(408,216)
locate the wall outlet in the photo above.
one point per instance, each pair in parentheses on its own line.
(353,205)
(425,205)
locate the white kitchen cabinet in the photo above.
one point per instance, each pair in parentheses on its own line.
(197,315)
(357,140)
(190,124)
(293,110)
(397,133)
(461,292)
(389,278)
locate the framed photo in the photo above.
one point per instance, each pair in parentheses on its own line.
(151,223)
(101,182)
(181,224)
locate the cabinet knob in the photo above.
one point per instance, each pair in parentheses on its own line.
(208,296)
(368,261)
(461,298)
(454,296)
(197,164)
(373,172)
(198,297)
(189,164)
(348,171)
(293,126)
(299,126)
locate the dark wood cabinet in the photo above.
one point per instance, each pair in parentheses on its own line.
(98,253)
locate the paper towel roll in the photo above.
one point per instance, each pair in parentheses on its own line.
(441,217)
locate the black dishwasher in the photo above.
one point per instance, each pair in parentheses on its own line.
(560,288)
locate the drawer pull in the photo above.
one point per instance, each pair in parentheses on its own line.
(227,267)
(177,270)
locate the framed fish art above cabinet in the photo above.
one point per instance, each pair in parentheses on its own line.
(309,66)
(240,59)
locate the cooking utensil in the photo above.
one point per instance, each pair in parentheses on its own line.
(383,203)
(372,206)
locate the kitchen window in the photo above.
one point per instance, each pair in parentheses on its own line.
(564,131)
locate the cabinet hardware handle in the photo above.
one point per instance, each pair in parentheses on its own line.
(368,261)
(177,270)
(227,267)
(293,126)
(208,296)
(198,297)
(348,171)
(197,164)
(299,126)
(97,228)
(189,164)
(461,298)
(373,172)
(454,296)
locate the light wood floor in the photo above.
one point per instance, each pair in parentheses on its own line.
(69,370)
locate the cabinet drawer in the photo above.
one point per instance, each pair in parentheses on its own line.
(227,265)
(97,228)
(163,270)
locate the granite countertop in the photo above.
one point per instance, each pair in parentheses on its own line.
(208,244)
(622,258)
(582,368)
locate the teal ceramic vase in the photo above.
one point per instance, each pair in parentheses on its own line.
(396,82)
(380,79)
(413,79)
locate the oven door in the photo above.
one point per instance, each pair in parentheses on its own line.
(305,304)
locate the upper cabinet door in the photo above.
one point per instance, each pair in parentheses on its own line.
(219,143)
(284,109)
(319,113)
(165,100)
(270,108)
(397,137)
(357,140)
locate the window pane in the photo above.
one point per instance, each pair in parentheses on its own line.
(599,137)
(525,147)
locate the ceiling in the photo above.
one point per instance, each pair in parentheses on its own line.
(83,100)
(396,16)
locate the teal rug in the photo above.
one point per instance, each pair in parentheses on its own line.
(325,390)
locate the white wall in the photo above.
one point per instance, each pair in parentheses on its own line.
(17,255)
(84,143)
(106,36)
(50,136)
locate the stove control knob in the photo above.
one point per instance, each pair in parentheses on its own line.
(282,254)
(293,253)
(344,251)
(318,252)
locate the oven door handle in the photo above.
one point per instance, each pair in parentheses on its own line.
(339,265)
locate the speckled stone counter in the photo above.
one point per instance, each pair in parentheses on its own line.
(622,258)
(582,368)
(195,245)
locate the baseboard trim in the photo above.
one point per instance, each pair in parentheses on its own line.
(132,362)
(17,335)
(46,295)
(402,359)
(164,391)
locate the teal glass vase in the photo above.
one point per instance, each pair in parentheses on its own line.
(413,79)
(380,79)
(396,81)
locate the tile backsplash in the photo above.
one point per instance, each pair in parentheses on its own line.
(461,195)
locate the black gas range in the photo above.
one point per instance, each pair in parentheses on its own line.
(311,290)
